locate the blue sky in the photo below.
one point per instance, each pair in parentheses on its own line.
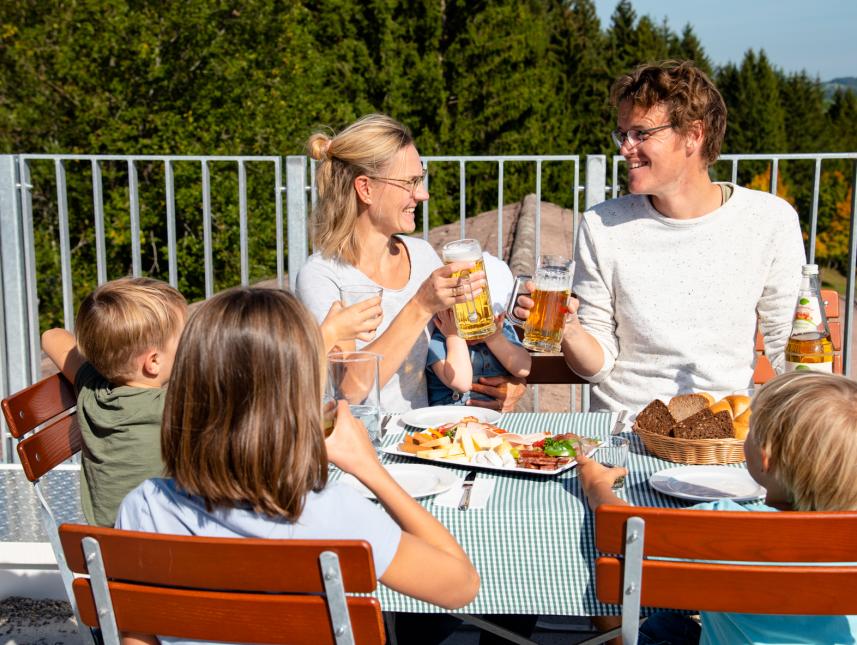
(819,36)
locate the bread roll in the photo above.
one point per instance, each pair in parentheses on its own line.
(722,406)
(708,397)
(741,424)
(739,404)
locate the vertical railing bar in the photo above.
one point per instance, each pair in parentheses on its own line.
(426,203)
(98,214)
(134,200)
(462,197)
(538,245)
(172,251)
(576,204)
(813,226)
(297,206)
(735,171)
(206,230)
(849,284)
(615,188)
(242,223)
(313,191)
(775,167)
(500,241)
(278,216)
(65,246)
(30,273)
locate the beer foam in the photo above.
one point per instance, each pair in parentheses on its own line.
(460,251)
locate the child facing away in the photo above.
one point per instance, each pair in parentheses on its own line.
(119,360)
(453,364)
(802,447)
(245,453)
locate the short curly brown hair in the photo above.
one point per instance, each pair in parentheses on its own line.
(686,92)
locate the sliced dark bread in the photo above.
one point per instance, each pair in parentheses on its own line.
(655,418)
(686,405)
(705,425)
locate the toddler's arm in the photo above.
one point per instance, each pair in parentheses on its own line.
(514,358)
(455,371)
(61,348)
(342,325)
(597,482)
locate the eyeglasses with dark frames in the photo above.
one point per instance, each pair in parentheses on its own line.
(411,184)
(636,137)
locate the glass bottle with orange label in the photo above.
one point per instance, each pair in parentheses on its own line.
(809,346)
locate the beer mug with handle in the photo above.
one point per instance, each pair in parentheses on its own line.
(543,327)
(474,318)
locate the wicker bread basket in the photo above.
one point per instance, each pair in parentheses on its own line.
(693,451)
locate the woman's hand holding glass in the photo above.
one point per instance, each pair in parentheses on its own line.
(441,290)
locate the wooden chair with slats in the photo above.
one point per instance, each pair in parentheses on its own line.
(224,589)
(43,419)
(743,554)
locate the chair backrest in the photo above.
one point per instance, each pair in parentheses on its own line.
(43,418)
(747,548)
(225,589)
(764,372)
(48,408)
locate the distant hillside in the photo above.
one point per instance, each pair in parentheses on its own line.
(844,83)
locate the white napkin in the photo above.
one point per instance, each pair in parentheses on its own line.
(482,489)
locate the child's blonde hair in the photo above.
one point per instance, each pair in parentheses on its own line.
(124,318)
(807,424)
(242,418)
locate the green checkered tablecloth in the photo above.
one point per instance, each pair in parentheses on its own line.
(533,544)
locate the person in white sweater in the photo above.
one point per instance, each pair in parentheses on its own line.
(672,279)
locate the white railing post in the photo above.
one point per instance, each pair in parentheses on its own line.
(296,212)
(596,180)
(15,359)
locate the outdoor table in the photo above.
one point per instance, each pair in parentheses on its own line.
(533,544)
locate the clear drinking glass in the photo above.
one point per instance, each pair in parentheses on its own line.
(544,326)
(614,454)
(474,318)
(353,377)
(351,294)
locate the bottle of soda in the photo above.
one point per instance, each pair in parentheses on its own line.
(809,346)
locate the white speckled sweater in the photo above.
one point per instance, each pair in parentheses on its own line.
(674,303)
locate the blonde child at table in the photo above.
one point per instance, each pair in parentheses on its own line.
(802,448)
(246,456)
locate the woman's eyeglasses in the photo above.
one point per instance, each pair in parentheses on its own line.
(410,185)
(634,137)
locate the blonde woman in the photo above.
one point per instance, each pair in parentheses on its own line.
(370,181)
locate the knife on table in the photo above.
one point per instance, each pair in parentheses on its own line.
(467,488)
(620,422)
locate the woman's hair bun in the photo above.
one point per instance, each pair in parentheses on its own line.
(318,145)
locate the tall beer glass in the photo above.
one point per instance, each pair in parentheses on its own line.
(474,318)
(543,327)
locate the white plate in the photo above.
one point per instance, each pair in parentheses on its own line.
(440,414)
(419,480)
(707,483)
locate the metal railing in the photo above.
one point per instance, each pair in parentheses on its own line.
(20,354)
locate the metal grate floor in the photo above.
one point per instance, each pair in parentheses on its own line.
(19,506)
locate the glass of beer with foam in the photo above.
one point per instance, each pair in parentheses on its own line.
(474,318)
(544,326)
